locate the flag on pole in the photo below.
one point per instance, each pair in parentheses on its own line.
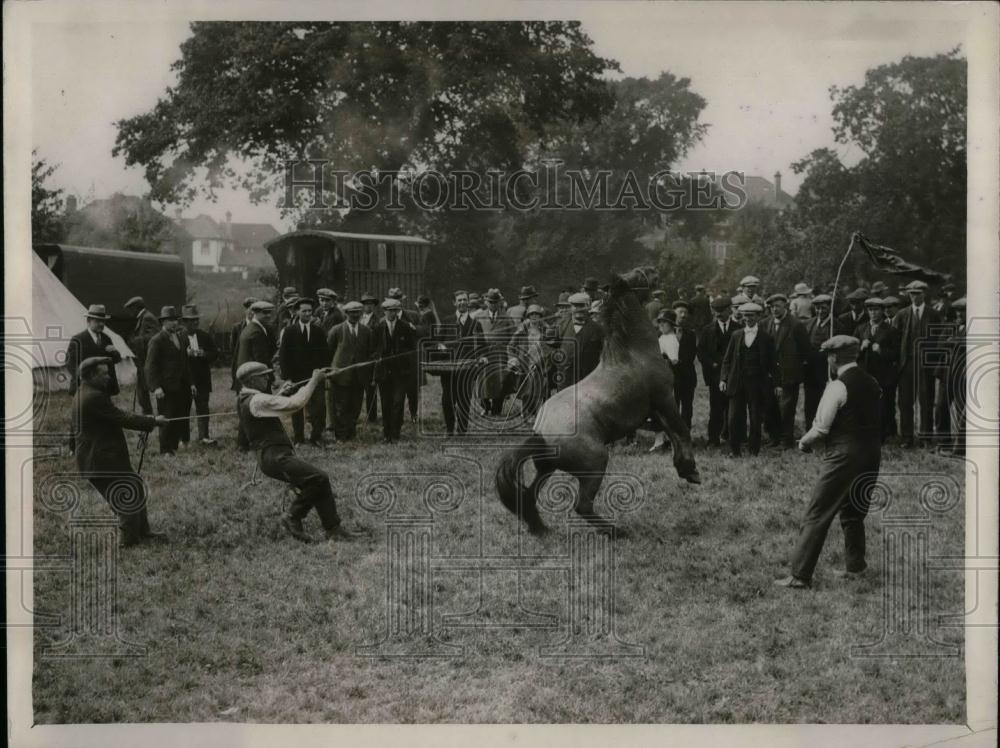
(891,262)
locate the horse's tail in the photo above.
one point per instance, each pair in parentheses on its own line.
(508,480)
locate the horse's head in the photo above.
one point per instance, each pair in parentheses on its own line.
(624,317)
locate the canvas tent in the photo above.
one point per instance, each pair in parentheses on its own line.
(57,315)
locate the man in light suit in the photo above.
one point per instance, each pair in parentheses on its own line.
(146,326)
(916,325)
(350,346)
(169,377)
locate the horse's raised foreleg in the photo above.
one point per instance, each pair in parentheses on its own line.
(680,438)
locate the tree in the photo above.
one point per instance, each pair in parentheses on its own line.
(123,222)
(46,204)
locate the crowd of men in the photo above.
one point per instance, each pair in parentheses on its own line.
(756,352)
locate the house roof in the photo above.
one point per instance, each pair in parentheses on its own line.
(202,227)
(251,235)
(346,235)
(760,190)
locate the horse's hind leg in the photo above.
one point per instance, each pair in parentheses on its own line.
(680,438)
(590,478)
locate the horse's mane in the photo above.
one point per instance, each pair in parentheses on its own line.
(627,328)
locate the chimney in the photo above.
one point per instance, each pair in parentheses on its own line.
(70,204)
(229,224)
(777,184)
(177,214)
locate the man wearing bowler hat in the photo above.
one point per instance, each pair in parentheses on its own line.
(848,424)
(592,287)
(202,353)
(713,340)
(527,296)
(146,326)
(919,328)
(102,452)
(168,374)
(302,350)
(92,342)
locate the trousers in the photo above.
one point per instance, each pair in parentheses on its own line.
(174,404)
(201,410)
(316,410)
(718,408)
(915,387)
(347,408)
(456,401)
(313,490)
(750,396)
(126,495)
(392,391)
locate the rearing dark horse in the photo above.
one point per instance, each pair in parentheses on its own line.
(574,426)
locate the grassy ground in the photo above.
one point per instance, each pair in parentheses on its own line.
(244,624)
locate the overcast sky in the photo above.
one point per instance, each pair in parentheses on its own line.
(765,71)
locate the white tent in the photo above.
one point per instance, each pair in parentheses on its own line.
(57,315)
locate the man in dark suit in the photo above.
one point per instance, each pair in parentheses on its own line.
(685,376)
(879,357)
(712,344)
(302,350)
(701,311)
(816,373)
(918,326)
(791,345)
(92,343)
(847,422)
(580,342)
(655,305)
(102,452)
(202,353)
(395,342)
(146,326)
(169,376)
(257,341)
(349,344)
(286,309)
(464,340)
(849,320)
(498,328)
(411,388)
(370,318)
(748,372)
(234,339)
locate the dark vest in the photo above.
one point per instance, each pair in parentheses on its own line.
(859,420)
(750,360)
(260,432)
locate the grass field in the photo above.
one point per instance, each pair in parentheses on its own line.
(244,624)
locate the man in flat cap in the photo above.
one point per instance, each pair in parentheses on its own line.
(286,308)
(734,306)
(90,343)
(747,376)
(234,339)
(713,340)
(848,424)
(302,350)
(750,287)
(328,314)
(256,343)
(655,305)
(350,345)
(411,386)
(580,342)
(879,290)
(102,452)
(685,375)
(918,325)
(395,344)
(855,316)
(878,356)
(817,370)
(146,326)
(497,331)
(202,353)
(464,340)
(791,344)
(168,374)
(260,414)
(370,317)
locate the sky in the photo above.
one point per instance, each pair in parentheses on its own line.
(764,69)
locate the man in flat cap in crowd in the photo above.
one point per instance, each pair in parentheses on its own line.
(286,308)
(168,374)
(234,338)
(328,316)
(685,376)
(256,343)
(816,373)
(465,340)
(411,387)
(879,355)
(202,353)
(350,345)
(102,453)
(750,287)
(580,341)
(146,326)
(395,341)
(713,340)
(302,350)
(260,414)
(747,376)
(848,321)
(848,424)
(791,344)
(917,325)
(370,318)
(497,330)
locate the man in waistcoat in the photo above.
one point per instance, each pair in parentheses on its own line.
(878,356)
(748,371)
(712,343)
(260,415)
(848,423)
